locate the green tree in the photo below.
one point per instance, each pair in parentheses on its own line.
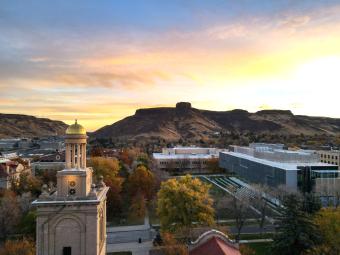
(27,225)
(311,203)
(296,232)
(184,202)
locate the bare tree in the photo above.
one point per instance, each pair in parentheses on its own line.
(260,200)
(239,211)
(9,214)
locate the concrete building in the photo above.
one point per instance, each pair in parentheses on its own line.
(185,159)
(49,162)
(330,157)
(72,219)
(277,167)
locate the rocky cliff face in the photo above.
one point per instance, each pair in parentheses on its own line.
(185,122)
(16,125)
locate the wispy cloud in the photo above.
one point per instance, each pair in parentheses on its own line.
(106,69)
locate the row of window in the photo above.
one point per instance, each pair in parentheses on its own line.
(329,157)
(329,162)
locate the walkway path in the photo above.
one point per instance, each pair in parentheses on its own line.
(130,234)
(135,247)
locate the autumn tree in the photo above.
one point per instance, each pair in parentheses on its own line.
(109,168)
(114,198)
(328,223)
(106,167)
(184,202)
(171,246)
(142,181)
(18,247)
(26,183)
(138,206)
(213,166)
(97,151)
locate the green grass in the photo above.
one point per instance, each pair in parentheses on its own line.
(260,248)
(257,236)
(125,222)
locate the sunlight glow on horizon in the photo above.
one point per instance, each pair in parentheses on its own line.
(263,56)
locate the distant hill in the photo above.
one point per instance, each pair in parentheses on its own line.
(17,125)
(185,122)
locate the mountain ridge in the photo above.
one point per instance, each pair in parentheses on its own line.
(186,122)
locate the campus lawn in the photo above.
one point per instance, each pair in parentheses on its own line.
(260,248)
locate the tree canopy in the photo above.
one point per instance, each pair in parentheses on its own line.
(106,167)
(183,202)
(296,232)
(328,223)
(142,181)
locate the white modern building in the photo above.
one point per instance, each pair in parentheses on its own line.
(274,166)
(185,159)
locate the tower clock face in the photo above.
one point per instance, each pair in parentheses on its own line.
(72,189)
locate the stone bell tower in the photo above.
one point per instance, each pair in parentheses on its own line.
(71,220)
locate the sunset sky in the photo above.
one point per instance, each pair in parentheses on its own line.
(99,61)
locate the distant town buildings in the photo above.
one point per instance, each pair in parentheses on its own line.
(50,162)
(10,170)
(185,159)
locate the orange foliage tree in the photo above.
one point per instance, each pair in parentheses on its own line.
(18,247)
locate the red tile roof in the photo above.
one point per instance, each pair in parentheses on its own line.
(215,246)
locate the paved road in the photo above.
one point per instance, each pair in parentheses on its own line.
(252,229)
(130,234)
(135,247)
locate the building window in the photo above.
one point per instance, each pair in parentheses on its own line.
(67,251)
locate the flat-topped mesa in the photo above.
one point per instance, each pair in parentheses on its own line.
(183,106)
(275,112)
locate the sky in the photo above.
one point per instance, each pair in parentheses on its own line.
(99,61)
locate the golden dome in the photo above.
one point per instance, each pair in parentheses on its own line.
(76,129)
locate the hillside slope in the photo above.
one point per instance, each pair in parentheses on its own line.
(17,125)
(185,122)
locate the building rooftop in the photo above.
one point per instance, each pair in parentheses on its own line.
(183,156)
(281,165)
